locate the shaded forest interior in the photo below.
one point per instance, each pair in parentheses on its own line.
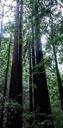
(31,64)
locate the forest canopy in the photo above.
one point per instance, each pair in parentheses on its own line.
(31,64)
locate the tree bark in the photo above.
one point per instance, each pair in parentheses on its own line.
(58,77)
(42,105)
(15,118)
(56,65)
(31,87)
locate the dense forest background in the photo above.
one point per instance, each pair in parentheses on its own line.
(31,63)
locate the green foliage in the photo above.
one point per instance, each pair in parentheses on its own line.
(3,62)
(46,9)
(15,105)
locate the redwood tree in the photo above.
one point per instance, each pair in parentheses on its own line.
(41,97)
(15,119)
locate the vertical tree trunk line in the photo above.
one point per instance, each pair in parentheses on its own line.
(41,96)
(15,119)
(30,87)
(58,77)
(56,66)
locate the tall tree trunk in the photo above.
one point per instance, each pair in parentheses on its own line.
(41,97)
(58,77)
(30,87)
(31,66)
(42,106)
(14,71)
(56,65)
(34,78)
(16,74)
